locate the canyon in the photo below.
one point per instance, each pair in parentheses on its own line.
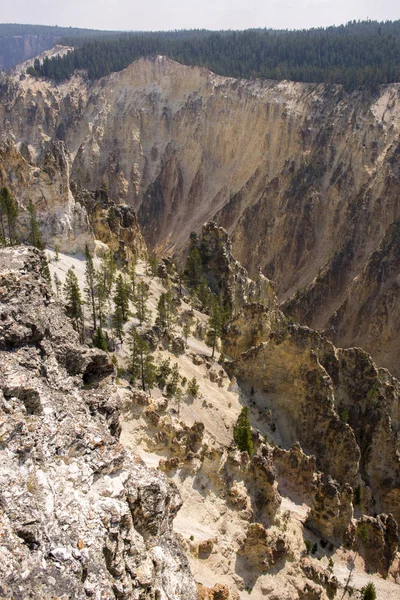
(303,177)
(288,195)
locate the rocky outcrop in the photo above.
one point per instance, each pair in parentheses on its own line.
(225,275)
(377,540)
(262,549)
(296,472)
(334,402)
(115,225)
(80,515)
(251,326)
(320,576)
(62,220)
(297,389)
(332,510)
(218,592)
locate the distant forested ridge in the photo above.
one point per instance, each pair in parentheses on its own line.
(365,53)
(20,42)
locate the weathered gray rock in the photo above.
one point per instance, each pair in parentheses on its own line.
(226,276)
(80,515)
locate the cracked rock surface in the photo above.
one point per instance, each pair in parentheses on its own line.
(80,516)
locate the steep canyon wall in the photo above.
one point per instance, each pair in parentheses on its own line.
(304,177)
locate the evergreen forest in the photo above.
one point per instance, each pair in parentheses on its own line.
(358,54)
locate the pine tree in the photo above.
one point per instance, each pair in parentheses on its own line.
(141,361)
(141,298)
(73,300)
(166,311)
(178,399)
(100,295)
(56,253)
(163,372)
(132,279)
(121,297)
(368,592)
(242,432)
(186,332)
(45,267)
(58,284)
(35,237)
(99,340)
(205,295)
(193,388)
(194,267)
(214,326)
(90,289)
(8,213)
(108,269)
(173,383)
(118,323)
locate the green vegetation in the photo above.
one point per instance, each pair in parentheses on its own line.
(214,326)
(368,592)
(8,218)
(242,432)
(365,53)
(173,383)
(166,311)
(35,237)
(193,388)
(362,531)
(141,360)
(90,289)
(58,285)
(140,302)
(99,340)
(121,297)
(73,301)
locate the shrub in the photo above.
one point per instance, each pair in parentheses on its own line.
(193,387)
(368,592)
(99,340)
(242,432)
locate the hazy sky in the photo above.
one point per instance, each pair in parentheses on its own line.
(209,14)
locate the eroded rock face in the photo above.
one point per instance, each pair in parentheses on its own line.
(251,326)
(80,515)
(304,177)
(377,540)
(62,220)
(332,509)
(334,402)
(261,549)
(298,471)
(225,275)
(114,224)
(299,392)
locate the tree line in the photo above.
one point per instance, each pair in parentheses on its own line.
(365,53)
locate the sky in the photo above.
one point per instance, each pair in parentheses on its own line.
(195,14)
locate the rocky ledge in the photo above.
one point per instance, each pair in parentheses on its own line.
(80,516)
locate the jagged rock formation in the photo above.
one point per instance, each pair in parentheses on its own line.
(69,220)
(377,540)
(225,275)
(62,220)
(115,225)
(335,402)
(304,177)
(80,515)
